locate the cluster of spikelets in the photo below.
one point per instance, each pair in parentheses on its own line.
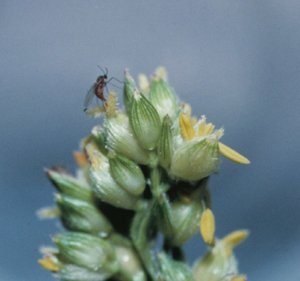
(144,172)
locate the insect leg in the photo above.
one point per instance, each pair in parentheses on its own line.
(114,79)
(115,86)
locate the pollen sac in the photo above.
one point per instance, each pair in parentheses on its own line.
(87,251)
(165,143)
(207,227)
(50,262)
(121,139)
(144,121)
(79,215)
(127,173)
(215,265)
(233,239)
(129,86)
(196,159)
(104,185)
(239,277)
(163,98)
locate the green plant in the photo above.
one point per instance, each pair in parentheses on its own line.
(144,172)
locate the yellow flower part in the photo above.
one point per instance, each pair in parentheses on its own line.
(85,142)
(110,107)
(48,213)
(143,83)
(239,278)
(233,239)
(232,155)
(186,200)
(186,127)
(204,129)
(111,104)
(187,109)
(188,132)
(94,155)
(49,264)
(161,73)
(80,158)
(96,111)
(207,227)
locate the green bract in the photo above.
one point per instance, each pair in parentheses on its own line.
(165,143)
(127,174)
(107,189)
(215,265)
(121,139)
(79,215)
(99,136)
(196,159)
(179,221)
(163,98)
(69,185)
(86,250)
(144,121)
(129,86)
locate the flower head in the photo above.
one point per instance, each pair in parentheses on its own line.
(144,171)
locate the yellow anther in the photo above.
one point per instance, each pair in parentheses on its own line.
(186,200)
(94,162)
(143,83)
(48,213)
(162,73)
(186,127)
(48,264)
(232,155)
(85,141)
(236,237)
(187,109)
(239,278)
(96,111)
(194,120)
(80,158)
(233,239)
(91,148)
(209,128)
(207,227)
(200,129)
(94,155)
(111,104)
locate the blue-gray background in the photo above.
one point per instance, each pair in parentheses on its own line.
(237,62)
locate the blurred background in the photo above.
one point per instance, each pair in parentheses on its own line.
(237,62)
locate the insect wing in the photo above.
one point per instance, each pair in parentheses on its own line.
(89,96)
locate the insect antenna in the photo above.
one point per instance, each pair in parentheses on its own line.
(106,70)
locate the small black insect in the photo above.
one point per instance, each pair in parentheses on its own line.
(98,88)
